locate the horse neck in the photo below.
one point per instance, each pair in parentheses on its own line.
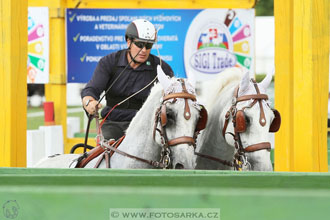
(139,135)
(213,142)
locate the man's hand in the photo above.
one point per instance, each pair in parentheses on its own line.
(90,104)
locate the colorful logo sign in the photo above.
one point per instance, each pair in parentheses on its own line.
(219,39)
(38,45)
(213,54)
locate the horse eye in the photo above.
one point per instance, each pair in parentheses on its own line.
(247,120)
(170,117)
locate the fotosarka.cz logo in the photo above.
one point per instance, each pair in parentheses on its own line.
(164,213)
(10,209)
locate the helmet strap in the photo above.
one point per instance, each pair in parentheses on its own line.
(130,54)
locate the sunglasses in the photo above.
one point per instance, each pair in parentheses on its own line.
(141,45)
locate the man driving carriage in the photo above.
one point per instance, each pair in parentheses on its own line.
(121,74)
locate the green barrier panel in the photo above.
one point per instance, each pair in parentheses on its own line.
(93,194)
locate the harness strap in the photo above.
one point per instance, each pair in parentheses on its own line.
(87,157)
(100,161)
(227,116)
(83,160)
(255,96)
(155,123)
(97,151)
(259,146)
(181,140)
(224,162)
(262,118)
(186,113)
(151,162)
(226,123)
(179,95)
(117,144)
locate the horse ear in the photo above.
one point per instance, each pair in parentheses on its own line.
(163,78)
(244,85)
(191,79)
(267,80)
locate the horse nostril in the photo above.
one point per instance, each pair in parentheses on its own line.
(179,166)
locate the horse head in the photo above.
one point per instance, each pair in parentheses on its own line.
(178,121)
(248,121)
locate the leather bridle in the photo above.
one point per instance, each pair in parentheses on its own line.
(161,119)
(233,112)
(237,122)
(240,159)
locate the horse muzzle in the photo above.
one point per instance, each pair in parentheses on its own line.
(179,166)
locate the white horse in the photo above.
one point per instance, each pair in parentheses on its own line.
(245,142)
(165,125)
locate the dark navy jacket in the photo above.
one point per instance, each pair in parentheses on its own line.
(128,83)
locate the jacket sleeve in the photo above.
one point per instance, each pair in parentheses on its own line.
(100,78)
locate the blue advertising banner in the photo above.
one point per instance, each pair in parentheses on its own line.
(199,42)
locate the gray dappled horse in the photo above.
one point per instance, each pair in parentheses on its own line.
(240,119)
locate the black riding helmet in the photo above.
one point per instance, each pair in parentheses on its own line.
(142,30)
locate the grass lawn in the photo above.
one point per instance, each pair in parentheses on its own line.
(33,123)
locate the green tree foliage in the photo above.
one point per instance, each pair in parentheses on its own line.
(264,8)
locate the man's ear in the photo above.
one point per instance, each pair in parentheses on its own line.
(129,43)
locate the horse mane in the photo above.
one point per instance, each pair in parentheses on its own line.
(214,88)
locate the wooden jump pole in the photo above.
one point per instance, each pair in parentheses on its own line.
(13,82)
(301,84)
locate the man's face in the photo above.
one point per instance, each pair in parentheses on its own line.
(136,46)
